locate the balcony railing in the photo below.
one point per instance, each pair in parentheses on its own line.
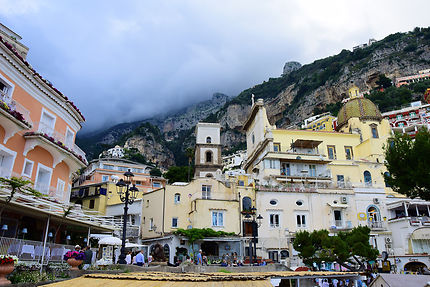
(377,225)
(132,231)
(57,137)
(15,106)
(33,250)
(413,220)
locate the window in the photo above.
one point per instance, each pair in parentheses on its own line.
(246,203)
(4,92)
(138,182)
(151,224)
(253,138)
(348,152)
(209,156)
(386,174)
(331,152)
(208,140)
(241,183)
(412,114)
(47,123)
(177,198)
(108,166)
(285,254)
(92,203)
(7,159)
(312,170)
(123,168)
(299,202)
(274,220)
(156,184)
(340,181)
(367,178)
(217,218)
(43,178)
(273,255)
(273,202)
(277,147)
(301,220)
(338,218)
(69,138)
(206,191)
(60,188)
(174,222)
(285,169)
(399,117)
(28,168)
(374,131)
(105,177)
(271,163)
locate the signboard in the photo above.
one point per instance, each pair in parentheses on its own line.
(386,266)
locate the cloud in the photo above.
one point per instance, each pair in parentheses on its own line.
(135,59)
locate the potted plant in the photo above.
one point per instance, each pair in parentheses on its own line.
(74,259)
(7,263)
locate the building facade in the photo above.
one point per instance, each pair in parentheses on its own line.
(38,127)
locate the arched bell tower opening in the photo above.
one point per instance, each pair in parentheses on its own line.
(208,149)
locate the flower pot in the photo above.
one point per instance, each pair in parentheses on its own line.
(5,269)
(74,263)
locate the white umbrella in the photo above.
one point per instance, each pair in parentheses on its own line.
(131,245)
(110,241)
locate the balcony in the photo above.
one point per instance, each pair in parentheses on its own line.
(17,117)
(133,231)
(341,225)
(377,225)
(56,144)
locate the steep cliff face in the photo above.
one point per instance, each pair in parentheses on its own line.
(152,150)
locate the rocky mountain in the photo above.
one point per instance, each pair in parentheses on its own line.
(297,94)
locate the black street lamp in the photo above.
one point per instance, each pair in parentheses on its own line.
(255,224)
(127,194)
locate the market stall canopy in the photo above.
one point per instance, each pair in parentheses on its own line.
(110,241)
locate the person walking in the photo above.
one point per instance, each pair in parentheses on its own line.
(128,258)
(140,259)
(88,258)
(199,258)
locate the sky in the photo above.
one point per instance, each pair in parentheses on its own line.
(120,61)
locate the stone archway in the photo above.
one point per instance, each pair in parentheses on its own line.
(210,248)
(414,266)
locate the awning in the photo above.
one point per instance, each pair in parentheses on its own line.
(338,205)
(421,234)
(306,143)
(110,241)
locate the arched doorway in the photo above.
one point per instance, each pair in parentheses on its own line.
(415,266)
(210,248)
(166,250)
(246,203)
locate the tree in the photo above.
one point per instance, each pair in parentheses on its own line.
(383,82)
(15,184)
(407,162)
(177,173)
(349,248)
(194,234)
(155,172)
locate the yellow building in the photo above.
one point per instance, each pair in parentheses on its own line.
(308,180)
(322,122)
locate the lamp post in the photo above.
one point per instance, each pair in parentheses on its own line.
(127,194)
(255,224)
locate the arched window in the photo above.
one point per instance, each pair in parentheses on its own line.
(387,174)
(177,198)
(367,178)
(209,156)
(373,216)
(246,203)
(208,140)
(166,250)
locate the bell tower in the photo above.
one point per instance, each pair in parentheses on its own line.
(208,150)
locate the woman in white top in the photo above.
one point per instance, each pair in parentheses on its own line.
(128,258)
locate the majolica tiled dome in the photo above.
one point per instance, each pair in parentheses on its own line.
(361,108)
